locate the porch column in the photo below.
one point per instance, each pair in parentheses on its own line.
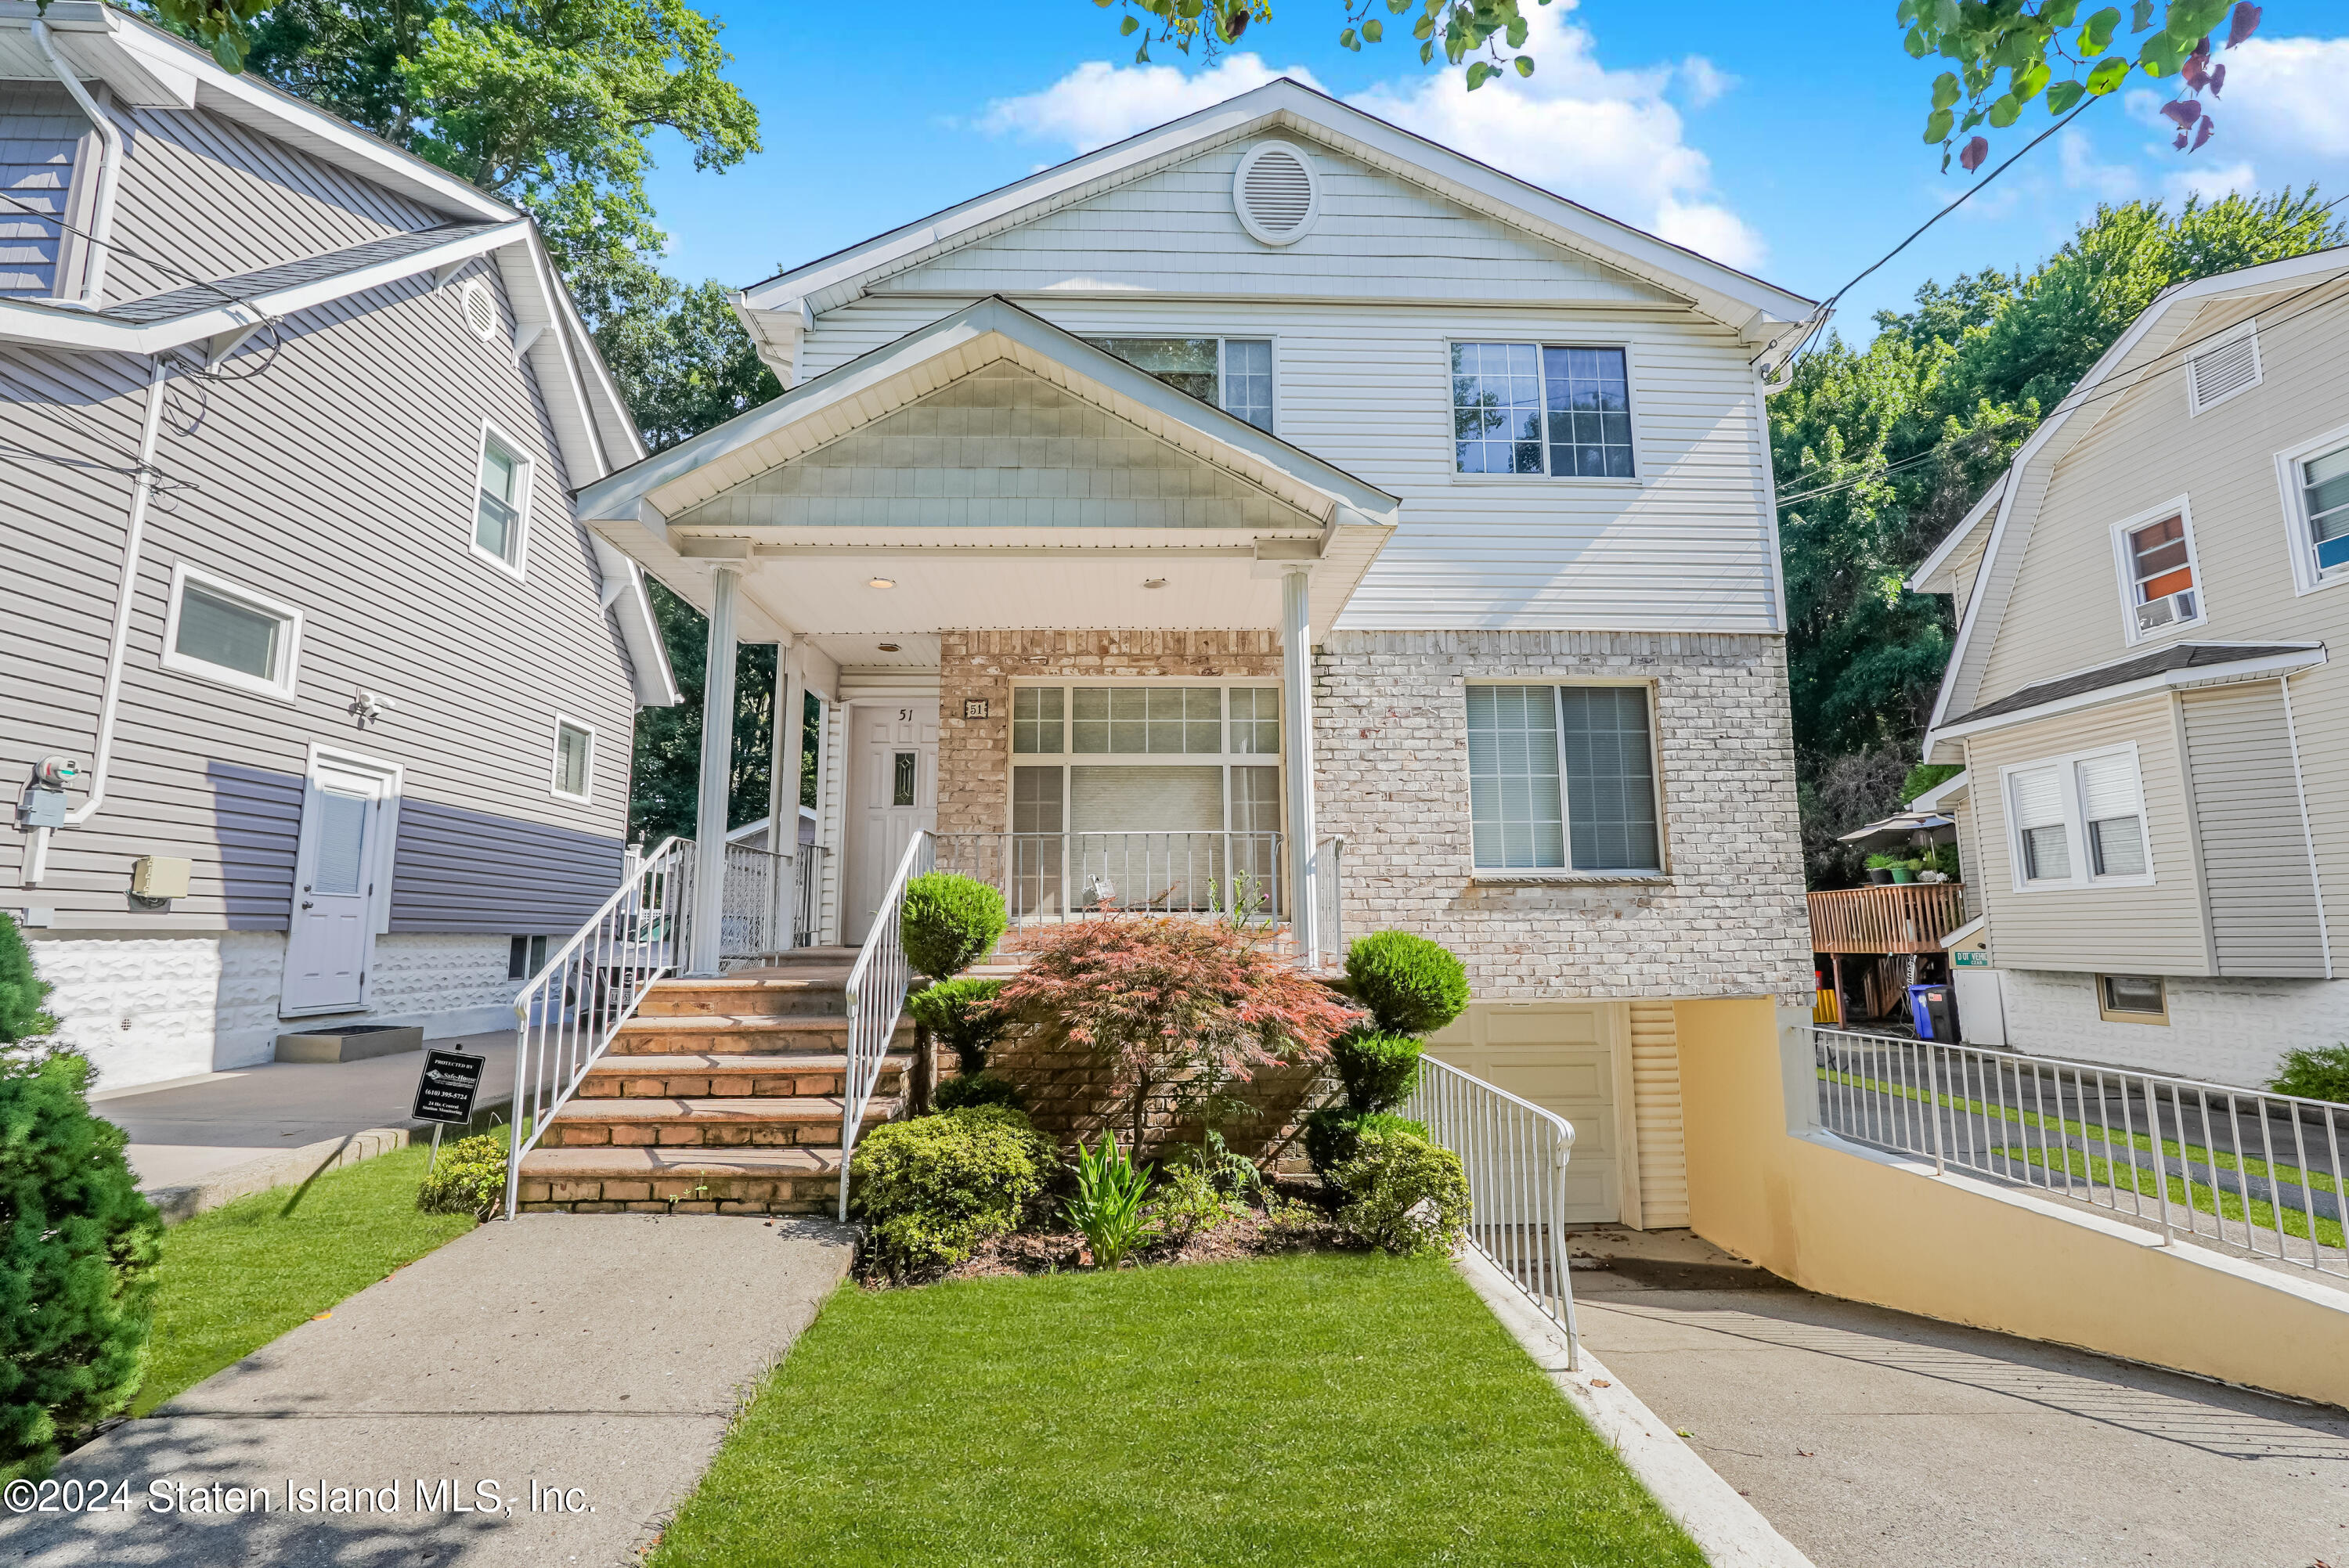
(1297,722)
(717,774)
(783,798)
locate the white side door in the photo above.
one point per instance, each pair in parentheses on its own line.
(892,790)
(1560,1055)
(344,853)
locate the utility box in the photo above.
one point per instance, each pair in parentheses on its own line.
(160,876)
(41,807)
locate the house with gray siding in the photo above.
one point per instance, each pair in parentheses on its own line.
(2153,814)
(320,702)
(1277,510)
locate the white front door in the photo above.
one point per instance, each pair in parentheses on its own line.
(341,857)
(1560,1055)
(892,790)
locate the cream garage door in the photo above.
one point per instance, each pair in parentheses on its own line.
(1560,1055)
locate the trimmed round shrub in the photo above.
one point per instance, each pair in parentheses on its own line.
(978,1089)
(469,1178)
(1412,985)
(1334,1132)
(24,995)
(934,1188)
(1404,1194)
(1377,1072)
(77,1251)
(949,923)
(959,1014)
(2320,1072)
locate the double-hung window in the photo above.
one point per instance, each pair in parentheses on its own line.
(575,759)
(1235,373)
(1541,408)
(2160,579)
(224,632)
(2316,481)
(2078,820)
(1562,778)
(502,502)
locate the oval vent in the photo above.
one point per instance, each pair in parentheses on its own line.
(1276,193)
(479,311)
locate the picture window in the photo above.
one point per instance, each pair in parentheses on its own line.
(1537,408)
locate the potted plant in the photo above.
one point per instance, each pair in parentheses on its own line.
(1906,871)
(1880,868)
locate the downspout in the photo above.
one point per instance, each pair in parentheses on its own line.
(126,594)
(110,171)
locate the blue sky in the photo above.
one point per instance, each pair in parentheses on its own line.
(1792,151)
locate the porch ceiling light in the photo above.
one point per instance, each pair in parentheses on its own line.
(1154,583)
(889,647)
(881,582)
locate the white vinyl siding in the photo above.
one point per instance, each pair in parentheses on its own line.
(2253,839)
(1562,778)
(222,632)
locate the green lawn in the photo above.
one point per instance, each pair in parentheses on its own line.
(1316,1409)
(235,1277)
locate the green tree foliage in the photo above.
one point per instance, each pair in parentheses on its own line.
(24,995)
(950,923)
(1882,451)
(683,361)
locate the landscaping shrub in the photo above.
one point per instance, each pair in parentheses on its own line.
(1377,1072)
(949,923)
(937,1186)
(1404,1194)
(1333,1133)
(2320,1072)
(1412,985)
(1187,1202)
(961,1013)
(78,1253)
(978,1089)
(1107,1207)
(469,1178)
(24,995)
(1196,1008)
(1234,1175)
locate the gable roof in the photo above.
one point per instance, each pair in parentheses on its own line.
(2198,663)
(2009,510)
(1760,312)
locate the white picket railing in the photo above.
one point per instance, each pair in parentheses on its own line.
(876,997)
(567,1014)
(1514,1154)
(2238,1166)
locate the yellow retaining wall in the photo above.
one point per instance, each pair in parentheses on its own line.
(1873,1228)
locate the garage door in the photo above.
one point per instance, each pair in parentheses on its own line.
(1560,1055)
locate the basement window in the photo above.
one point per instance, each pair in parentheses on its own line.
(2132,999)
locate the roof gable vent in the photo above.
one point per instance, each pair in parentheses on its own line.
(479,311)
(1276,193)
(2218,374)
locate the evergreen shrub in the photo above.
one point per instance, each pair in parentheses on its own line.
(1412,985)
(2320,1072)
(1377,1072)
(949,923)
(469,1178)
(978,1089)
(1404,1194)
(936,1186)
(1334,1132)
(961,1014)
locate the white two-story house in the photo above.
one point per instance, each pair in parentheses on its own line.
(2155,813)
(1279,501)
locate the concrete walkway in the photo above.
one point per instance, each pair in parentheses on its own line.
(567,1378)
(1868,1437)
(187,1132)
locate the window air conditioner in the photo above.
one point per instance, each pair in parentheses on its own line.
(2166,611)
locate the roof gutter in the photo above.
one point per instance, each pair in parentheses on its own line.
(2272,667)
(110,172)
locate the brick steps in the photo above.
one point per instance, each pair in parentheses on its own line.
(685,1075)
(740,1035)
(730,1121)
(613,1181)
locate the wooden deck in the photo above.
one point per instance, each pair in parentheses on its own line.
(1898,917)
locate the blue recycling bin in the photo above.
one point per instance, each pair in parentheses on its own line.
(1933,1008)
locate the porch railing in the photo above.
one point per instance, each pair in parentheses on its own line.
(748,927)
(1514,1154)
(567,1014)
(1052,877)
(876,997)
(1887,917)
(809,864)
(1329,902)
(2250,1170)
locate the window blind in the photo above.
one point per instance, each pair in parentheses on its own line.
(2109,804)
(2038,795)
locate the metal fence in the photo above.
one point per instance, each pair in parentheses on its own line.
(1052,877)
(1330,903)
(567,1013)
(2250,1169)
(747,929)
(1514,1154)
(876,996)
(805,907)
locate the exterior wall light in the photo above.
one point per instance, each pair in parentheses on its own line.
(882,582)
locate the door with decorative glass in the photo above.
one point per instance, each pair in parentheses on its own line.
(892,790)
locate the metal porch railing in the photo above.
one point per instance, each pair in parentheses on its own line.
(876,997)
(804,910)
(2240,1167)
(1514,1154)
(748,927)
(1054,878)
(567,1014)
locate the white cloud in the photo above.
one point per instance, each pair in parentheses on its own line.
(2285,95)
(1099,103)
(2106,181)
(1610,140)
(2212,180)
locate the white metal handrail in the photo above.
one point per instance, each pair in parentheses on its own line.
(2238,1166)
(746,929)
(567,1014)
(1059,878)
(876,997)
(809,872)
(1514,1154)
(1329,896)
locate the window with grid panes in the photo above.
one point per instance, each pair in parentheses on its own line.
(1562,778)
(1234,374)
(1539,408)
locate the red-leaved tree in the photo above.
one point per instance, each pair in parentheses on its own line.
(1196,1008)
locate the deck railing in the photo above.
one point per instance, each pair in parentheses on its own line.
(748,927)
(1887,917)
(567,1014)
(876,997)
(2245,1169)
(809,871)
(1514,1154)
(1049,879)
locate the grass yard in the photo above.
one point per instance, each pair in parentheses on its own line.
(235,1277)
(1324,1408)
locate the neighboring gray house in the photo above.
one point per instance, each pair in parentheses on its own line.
(319,703)
(2155,811)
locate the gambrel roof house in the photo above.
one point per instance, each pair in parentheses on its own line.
(1279,506)
(322,701)
(2143,697)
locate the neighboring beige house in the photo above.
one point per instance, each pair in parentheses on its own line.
(2155,811)
(1274,477)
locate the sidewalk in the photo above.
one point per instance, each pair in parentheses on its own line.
(539,1392)
(188,1132)
(1868,1437)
